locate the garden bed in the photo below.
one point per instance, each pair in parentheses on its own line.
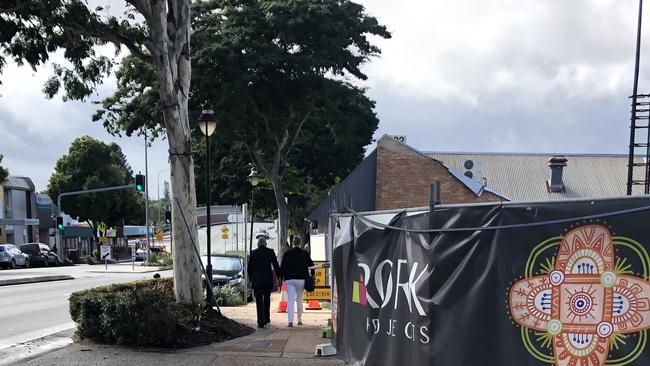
(145,314)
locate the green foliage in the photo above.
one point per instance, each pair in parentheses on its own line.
(141,313)
(90,164)
(30,30)
(159,259)
(266,67)
(228,296)
(4,173)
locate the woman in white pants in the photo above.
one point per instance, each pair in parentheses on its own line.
(294,268)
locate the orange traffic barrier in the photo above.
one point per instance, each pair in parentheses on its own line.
(282,307)
(313,305)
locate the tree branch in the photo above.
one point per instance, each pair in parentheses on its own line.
(143,7)
(295,135)
(117,39)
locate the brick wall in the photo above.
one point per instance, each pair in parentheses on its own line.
(404,177)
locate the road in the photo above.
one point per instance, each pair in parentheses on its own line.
(35,310)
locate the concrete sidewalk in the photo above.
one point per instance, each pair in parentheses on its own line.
(274,345)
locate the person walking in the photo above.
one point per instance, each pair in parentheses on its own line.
(259,271)
(295,264)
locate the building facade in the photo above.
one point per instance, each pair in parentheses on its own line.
(397,176)
(19,222)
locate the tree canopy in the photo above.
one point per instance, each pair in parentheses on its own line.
(272,69)
(4,173)
(91,164)
(157,32)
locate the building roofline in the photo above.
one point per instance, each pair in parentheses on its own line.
(495,153)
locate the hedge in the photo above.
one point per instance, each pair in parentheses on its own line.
(140,313)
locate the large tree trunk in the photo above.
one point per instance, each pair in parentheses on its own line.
(169,22)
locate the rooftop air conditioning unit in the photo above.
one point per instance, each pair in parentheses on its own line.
(472,169)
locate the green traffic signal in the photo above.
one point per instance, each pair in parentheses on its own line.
(139,183)
(168,217)
(59,223)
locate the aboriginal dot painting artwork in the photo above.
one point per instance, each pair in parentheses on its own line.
(584,298)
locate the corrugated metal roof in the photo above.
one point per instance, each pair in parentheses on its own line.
(522,176)
(21,183)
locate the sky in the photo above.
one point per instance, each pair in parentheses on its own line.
(466,75)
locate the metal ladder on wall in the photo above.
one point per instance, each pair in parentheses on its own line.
(640,142)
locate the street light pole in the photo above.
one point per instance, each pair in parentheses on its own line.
(158,186)
(207,125)
(146,194)
(254,179)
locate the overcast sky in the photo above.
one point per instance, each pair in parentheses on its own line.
(466,75)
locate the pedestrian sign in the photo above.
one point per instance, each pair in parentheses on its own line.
(322,293)
(103,239)
(102,227)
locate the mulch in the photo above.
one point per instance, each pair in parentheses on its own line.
(212,327)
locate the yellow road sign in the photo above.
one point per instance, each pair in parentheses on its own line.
(102,227)
(321,277)
(159,236)
(225,230)
(159,230)
(322,293)
(224,236)
(103,239)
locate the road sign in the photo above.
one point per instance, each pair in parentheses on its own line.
(159,233)
(102,227)
(103,239)
(320,277)
(224,236)
(105,252)
(225,230)
(322,293)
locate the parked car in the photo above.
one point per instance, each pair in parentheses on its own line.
(228,270)
(40,254)
(11,257)
(262,233)
(140,254)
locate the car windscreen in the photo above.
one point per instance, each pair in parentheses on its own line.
(224,263)
(29,248)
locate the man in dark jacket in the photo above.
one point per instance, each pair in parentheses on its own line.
(259,272)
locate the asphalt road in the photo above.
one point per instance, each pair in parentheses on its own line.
(35,310)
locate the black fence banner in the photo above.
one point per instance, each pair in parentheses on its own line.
(564,283)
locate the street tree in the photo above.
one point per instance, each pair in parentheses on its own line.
(271,68)
(91,164)
(270,65)
(4,173)
(157,32)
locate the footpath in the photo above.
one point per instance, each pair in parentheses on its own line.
(275,345)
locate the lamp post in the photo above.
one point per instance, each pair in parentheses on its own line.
(254,179)
(207,125)
(158,185)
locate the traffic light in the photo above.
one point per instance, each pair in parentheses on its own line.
(59,223)
(139,182)
(168,217)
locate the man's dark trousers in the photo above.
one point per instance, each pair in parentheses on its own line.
(263,304)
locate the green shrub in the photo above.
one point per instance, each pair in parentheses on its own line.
(228,296)
(159,259)
(141,313)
